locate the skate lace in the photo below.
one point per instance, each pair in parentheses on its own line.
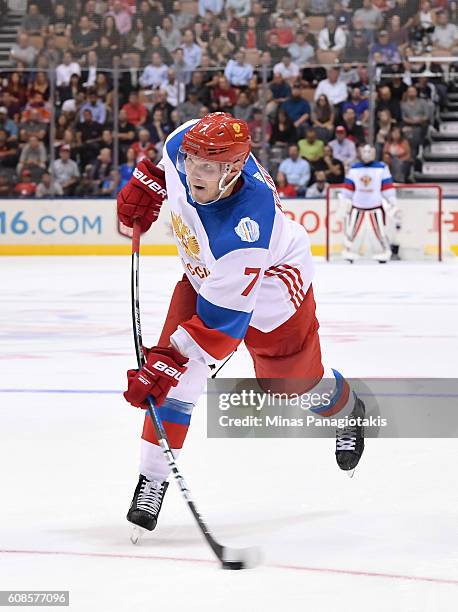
(150,496)
(346,438)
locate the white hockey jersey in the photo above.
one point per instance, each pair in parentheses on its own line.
(367,184)
(249,263)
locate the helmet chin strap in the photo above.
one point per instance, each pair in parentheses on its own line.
(222,188)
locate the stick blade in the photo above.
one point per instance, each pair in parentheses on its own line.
(240,558)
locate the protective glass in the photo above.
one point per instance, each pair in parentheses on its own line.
(199,168)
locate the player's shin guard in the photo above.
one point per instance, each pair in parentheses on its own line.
(176,417)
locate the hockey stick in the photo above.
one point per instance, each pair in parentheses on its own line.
(230,558)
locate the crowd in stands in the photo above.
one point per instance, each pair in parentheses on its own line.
(178,60)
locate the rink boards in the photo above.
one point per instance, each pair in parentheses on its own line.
(90,227)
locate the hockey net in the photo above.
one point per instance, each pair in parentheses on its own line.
(426,223)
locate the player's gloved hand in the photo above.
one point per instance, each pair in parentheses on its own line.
(141,199)
(161,372)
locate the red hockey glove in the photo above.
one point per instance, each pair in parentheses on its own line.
(161,372)
(141,199)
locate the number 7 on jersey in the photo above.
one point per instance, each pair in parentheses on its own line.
(252,283)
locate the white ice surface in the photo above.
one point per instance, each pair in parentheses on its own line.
(387,540)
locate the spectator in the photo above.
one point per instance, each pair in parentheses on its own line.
(296,170)
(319,187)
(397,154)
(84,38)
(387,50)
(126,134)
(359,104)
(261,15)
(415,117)
(283,130)
(46,189)
(283,31)
(189,109)
(224,44)
(33,22)
(284,189)
(96,106)
(192,52)
(170,35)
(139,38)
(22,51)
(331,37)
(287,68)
(343,148)
(215,6)
(33,157)
(385,123)
(65,70)
(8,125)
(182,19)
(144,147)
(88,135)
(164,106)
(65,171)
(122,17)
(386,102)
(106,142)
(159,129)
(297,109)
(237,71)
(60,22)
(25,188)
(111,33)
(5,186)
(445,35)
(334,89)
(332,167)
(319,7)
(323,118)
(183,72)
(127,168)
(15,95)
(354,131)
(224,95)
(8,151)
(101,169)
(398,35)
(175,92)
(356,51)
(39,84)
(310,147)
(204,91)
(370,17)
(281,91)
(72,90)
(33,126)
(300,50)
(110,185)
(258,134)
(136,112)
(155,74)
(252,37)
(85,187)
(275,50)
(242,8)
(243,109)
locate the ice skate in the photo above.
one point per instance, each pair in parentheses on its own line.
(145,507)
(350,441)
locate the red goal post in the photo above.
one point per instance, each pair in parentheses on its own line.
(422,228)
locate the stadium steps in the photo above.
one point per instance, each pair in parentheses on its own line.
(8,34)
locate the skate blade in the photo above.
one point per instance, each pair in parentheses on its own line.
(136,534)
(351,473)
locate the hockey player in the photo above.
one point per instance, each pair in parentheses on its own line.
(247,276)
(369,195)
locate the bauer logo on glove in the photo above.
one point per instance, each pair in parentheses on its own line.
(161,372)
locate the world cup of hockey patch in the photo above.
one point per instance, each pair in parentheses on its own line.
(247,230)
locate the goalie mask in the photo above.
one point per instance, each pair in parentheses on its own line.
(367,154)
(211,150)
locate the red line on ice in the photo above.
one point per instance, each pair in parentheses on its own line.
(301,568)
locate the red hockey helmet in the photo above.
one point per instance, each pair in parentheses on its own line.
(218,137)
